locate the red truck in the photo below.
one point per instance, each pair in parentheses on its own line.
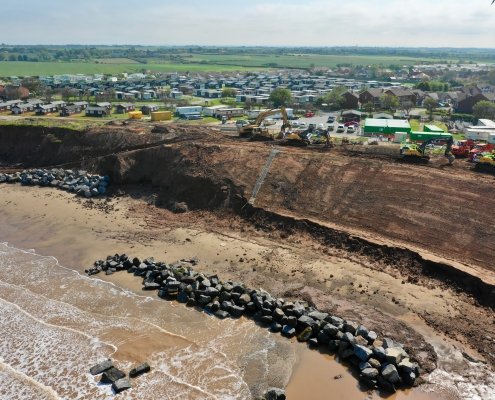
(462,148)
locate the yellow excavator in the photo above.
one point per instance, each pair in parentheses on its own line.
(416,153)
(257,131)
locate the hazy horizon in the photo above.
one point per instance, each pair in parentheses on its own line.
(271,23)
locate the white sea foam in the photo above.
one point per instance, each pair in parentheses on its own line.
(53,321)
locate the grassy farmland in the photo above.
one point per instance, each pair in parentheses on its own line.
(198,63)
(21,68)
(301,60)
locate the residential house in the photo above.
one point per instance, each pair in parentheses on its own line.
(45,109)
(147,109)
(105,104)
(82,104)
(465,106)
(21,108)
(404,95)
(229,112)
(97,111)
(70,110)
(351,115)
(351,100)
(372,95)
(7,105)
(176,94)
(123,108)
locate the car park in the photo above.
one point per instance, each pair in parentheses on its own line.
(299,124)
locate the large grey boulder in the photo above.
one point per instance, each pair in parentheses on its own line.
(362,352)
(111,375)
(370,373)
(390,374)
(139,370)
(275,394)
(121,384)
(101,367)
(395,355)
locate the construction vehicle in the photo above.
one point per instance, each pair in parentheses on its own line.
(484,162)
(462,148)
(416,153)
(480,148)
(258,131)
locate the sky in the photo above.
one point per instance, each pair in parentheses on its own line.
(413,23)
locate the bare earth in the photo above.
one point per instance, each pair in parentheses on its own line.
(419,314)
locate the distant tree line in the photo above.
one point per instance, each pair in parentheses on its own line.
(142,53)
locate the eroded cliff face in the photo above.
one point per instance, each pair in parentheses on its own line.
(36,146)
(448,212)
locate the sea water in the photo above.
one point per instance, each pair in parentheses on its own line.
(56,323)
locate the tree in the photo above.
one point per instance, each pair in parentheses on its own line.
(229,92)
(407,106)
(34,85)
(281,97)
(491,77)
(333,99)
(68,93)
(430,104)
(389,102)
(369,107)
(15,92)
(484,109)
(48,94)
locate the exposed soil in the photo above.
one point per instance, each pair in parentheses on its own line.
(430,227)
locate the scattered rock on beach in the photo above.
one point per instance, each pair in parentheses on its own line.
(121,384)
(275,394)
(111,375)
(80,182)
(381,363)
(101,367)
(139,370)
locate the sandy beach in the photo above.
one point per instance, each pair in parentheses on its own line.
(77,232)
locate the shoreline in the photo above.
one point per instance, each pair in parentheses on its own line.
(88,233)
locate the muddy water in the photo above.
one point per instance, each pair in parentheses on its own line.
(56,323)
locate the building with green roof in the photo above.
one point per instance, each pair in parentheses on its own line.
(374,126)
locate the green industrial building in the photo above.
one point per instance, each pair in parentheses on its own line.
(374,126)
(423,136)
(433,128)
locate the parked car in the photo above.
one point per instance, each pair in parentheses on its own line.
(330,119)
(310,114)
(340,129)
(299,124)
(241,122)
(350,129)
(351,123)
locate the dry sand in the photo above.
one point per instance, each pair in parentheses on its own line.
(78,232)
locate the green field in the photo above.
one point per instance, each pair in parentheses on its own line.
(22,68)
(301,60)
(199,63)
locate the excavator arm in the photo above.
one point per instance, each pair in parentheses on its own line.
(448,149)
(255,128)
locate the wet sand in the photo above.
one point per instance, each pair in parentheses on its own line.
(56,223)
